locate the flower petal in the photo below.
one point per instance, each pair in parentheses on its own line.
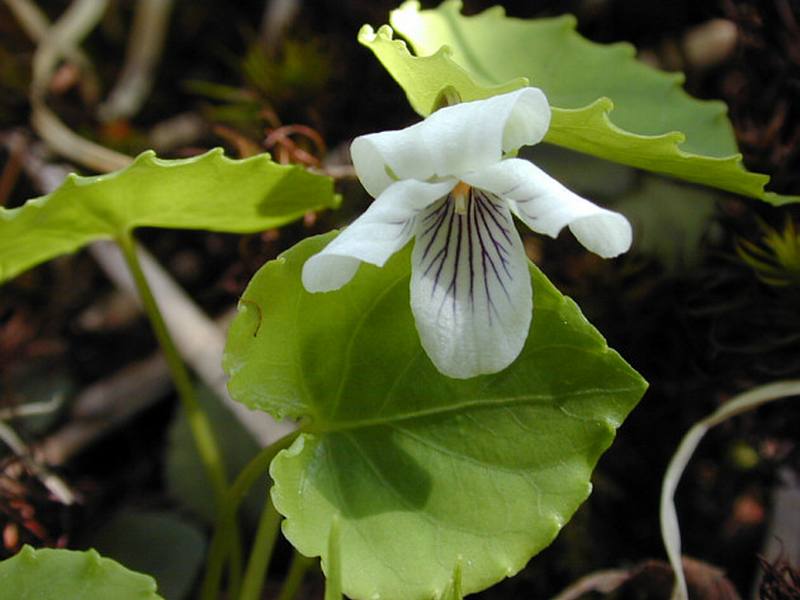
(452,140)
(546,206)
(384,228)
(470,286)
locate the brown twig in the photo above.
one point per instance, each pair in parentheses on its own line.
(287,149)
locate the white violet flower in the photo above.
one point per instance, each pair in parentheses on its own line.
(445,182)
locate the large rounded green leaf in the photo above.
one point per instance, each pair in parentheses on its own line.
(428,475)
(605,103)
(209,192)
(50,574)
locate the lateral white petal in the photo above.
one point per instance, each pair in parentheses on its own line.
(546,206)
(452,140)
(470,287)
(383,229)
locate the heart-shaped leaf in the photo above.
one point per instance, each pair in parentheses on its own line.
(203,192)
(605,103)
(429,476)
(50,574)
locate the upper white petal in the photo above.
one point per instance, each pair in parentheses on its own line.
(383,229)
(452,140)
(470,287)
(547,206)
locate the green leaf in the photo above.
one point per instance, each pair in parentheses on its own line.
(424,471)
(50,574)
(155,542)
(203,192)
(605,103)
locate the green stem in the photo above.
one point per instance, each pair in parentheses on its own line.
(203,435)
(235,563)
(333,575)
(226,521)
(297,571)
(261,552)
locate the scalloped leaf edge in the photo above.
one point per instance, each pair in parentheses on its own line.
(741,181)
(731,173)
(463,80)
(146,160)
(149,158)
(313,433)
(36,559)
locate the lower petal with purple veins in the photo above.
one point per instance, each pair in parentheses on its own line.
(470,286)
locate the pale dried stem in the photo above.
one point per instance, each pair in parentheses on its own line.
(275,20)
(105,405)
(36,24)
(200,341)
(69,144)
(178,130)
(600,581)
(31,409)
(670,529)
(51,481)
(145,45)
(59,40)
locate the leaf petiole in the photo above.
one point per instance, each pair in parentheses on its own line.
(226,518)
(297,571)
(203,435)
(261,552)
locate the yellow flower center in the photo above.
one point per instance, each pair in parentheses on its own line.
(460,195)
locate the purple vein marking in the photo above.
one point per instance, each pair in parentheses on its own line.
(488,246)
(451,289)
(502,251)
(496,214)
(441,214)
(470,217)
(483,225)
(442,254)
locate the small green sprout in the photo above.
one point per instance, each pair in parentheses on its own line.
(776,260)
